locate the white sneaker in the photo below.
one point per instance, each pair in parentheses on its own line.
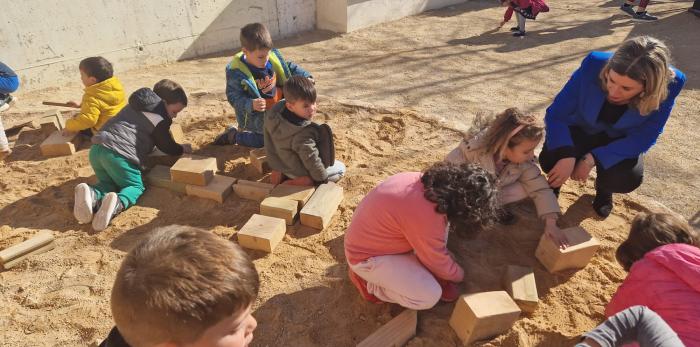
(83,203)
(111,206)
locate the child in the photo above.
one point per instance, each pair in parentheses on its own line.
(120,148)
(396,245)
(294,145)
(634,324)
(9,82)
(253,79)
(184,286)
(641,13)
(662,257)
(103,98)
(506,149)
(525,9)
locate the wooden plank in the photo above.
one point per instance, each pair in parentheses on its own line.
(218,189)
(58,144)
(39,240)
(262,233)
(319,210)
(193,169)
(159,176)
(582,247)
(177,133)
(301,194)
(12,263)
(519,282)
(483,315)
(280,208)
(258,158)
(397,332)
(256,184)
(251,192)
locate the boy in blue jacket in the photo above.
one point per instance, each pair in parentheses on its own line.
(253,84)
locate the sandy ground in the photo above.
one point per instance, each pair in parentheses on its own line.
(426,76)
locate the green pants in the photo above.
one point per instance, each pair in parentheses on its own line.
(116,174)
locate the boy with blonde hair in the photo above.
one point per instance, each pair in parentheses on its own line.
(184,286)
(253,84)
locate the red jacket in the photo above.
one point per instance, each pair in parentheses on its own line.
(520,5)
(667,280)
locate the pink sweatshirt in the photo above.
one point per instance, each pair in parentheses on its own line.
(395,218)
(537,7)
(667,280)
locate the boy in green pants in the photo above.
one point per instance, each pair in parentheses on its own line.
(120,148)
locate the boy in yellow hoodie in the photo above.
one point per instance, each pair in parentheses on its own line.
(103,98)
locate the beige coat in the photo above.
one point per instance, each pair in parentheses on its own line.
(528,175)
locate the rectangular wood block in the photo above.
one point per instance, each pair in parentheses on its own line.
(279,208)
(582,248)
(319,210)
(251,190)
(218,189)
(519,282)
(258,158)
(300,194)
(397,332)
(262,232)
(159,176)
(57,145)
(192,169)
(51,120)
(38,241)
(45,248)
(483,315)
(177,133)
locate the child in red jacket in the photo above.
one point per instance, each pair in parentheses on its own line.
(524,9)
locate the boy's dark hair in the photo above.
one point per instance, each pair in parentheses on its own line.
(299,88)
(97,67)
(179,282)
(652,230)
(255,36)
(170,91)
(466,193)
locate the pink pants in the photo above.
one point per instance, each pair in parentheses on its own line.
(401,279)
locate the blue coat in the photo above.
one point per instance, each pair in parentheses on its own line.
(579,104)
(241,88)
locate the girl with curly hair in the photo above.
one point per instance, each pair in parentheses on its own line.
(396,245)
(505,146)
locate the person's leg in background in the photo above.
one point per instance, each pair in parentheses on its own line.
(521,25)
(641,13)
(622,177)
(7,86)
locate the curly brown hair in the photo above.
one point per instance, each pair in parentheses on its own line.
(466,193)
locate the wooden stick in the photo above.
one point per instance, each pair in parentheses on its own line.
(29,246)
(61,104)
(13,262)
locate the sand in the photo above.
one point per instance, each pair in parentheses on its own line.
(397,98)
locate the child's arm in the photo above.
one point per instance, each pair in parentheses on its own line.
(88,116)
(164,141)
(295,69)
(635,324)
(428,238)
(236,95)
(308,153)
(508,15)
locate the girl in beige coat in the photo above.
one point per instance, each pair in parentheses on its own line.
(506,149)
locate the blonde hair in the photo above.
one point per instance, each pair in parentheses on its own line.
(496,130)
(646,60)
(179,282)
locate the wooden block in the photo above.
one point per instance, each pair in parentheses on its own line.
(52,120)
(18,260)
(159,176)
(218,189)
(258,158)
(301,194)
(319,210)
(483,315)
(177,133)
(582,248)
(251,190)
(519,282)
(40,240)
(279,208)
(269,186)
(396,332)
(262,233)
(192,169)
(57,145)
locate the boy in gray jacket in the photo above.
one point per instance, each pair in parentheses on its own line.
(299,150)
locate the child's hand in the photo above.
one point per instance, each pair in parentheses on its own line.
(186,148)
(259,104)
(561,172)
(300,181)
(73,104)
(556,235)
(275,177)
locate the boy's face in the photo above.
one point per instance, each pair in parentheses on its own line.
(258,57)
(87,80)
(302,108)
(234,331)
(174,109)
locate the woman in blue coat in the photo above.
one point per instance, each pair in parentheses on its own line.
(609,113)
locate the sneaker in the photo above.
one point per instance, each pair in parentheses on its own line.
(505,217)
(111,206)
(514,29)
(361,286)
(450,290)
(85,203)
(644,16)
(628,9)
(228,137)
(519,34)
(603,204)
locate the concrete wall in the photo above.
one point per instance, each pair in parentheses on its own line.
(348,15)
(45,40)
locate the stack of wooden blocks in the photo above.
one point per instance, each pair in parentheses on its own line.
(195,176)
(56,144)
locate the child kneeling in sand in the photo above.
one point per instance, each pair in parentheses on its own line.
(396,245)
(506,149)
(120,148)
(184,286)
(297,148)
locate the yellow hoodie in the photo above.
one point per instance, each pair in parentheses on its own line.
(101,102)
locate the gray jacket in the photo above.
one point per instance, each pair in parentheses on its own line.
(291,149)
(139,127)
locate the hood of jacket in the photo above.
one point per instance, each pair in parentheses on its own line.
(278,125)
(109,91)
(146,100)
(680,259)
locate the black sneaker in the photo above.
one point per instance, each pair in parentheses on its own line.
(603,204)
(514,29)
(506,217)
(228,137)
(519,34)
(628,9)
(644,16)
